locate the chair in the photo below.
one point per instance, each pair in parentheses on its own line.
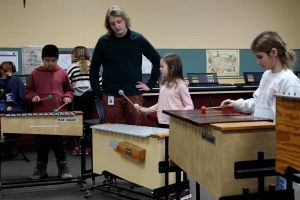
(88,173)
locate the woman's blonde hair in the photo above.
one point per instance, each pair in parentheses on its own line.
(268,40)
(81,54)
(174,64)
(115,11)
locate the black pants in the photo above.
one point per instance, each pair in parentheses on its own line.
(10,148)
(84,103)
(44,142)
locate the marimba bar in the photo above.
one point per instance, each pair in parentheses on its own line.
(50,123)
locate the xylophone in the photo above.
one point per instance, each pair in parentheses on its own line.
(206,146)
(130,152)
(50,123)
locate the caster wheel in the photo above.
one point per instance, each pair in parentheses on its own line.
(87,194)
(82,187)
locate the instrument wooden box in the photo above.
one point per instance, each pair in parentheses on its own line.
(131,151)
(68,123)
(287,133)
(208,151)
(106,158)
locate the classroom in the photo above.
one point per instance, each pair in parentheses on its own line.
(200,148)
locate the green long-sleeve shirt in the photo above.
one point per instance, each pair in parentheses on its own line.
(121,59)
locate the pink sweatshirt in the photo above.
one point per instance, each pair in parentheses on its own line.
(175,98)
(43,83)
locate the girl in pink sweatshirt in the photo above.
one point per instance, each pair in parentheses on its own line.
(174,93)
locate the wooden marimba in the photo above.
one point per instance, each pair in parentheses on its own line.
(51,123)
(130,152)
(206,146)
(287,133)
(60,123)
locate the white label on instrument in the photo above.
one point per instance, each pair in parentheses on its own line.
(111,100)
(68,119)
(44,126)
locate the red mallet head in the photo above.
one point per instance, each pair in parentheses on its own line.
(203,109)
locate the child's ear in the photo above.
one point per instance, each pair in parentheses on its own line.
(273,52)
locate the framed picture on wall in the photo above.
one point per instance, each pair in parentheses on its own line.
(223,62)
(31,58)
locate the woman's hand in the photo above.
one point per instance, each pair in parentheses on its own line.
(142,86)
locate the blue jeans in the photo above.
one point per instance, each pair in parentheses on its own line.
(280,183)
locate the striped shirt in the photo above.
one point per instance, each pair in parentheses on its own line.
(80,81)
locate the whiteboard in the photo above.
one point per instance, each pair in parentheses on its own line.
(10,56)
(146,65)
(64,59)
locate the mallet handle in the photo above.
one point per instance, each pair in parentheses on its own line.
(62,106)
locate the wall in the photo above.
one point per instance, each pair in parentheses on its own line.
(185,27)
(175,24)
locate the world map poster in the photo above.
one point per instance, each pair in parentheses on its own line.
(223,62)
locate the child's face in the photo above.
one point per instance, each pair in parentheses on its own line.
(265,60)
(163,68)
(50,62)
(6,68)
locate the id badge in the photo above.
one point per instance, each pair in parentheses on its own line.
(2,106)
(111,100)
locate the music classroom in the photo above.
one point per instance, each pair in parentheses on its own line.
(149,100)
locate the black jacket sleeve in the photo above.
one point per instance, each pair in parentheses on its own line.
(95,70)
(149,51)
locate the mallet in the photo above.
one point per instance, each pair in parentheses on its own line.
(216,107)
(203,108)
(48,97)
(57,109)
(135,105)
(121,92)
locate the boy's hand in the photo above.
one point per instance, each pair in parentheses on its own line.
(35,99)
(67,100)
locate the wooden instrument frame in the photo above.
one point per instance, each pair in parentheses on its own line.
(106,158)
(207,152)
(131,151)
(44,125)
(287,133)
